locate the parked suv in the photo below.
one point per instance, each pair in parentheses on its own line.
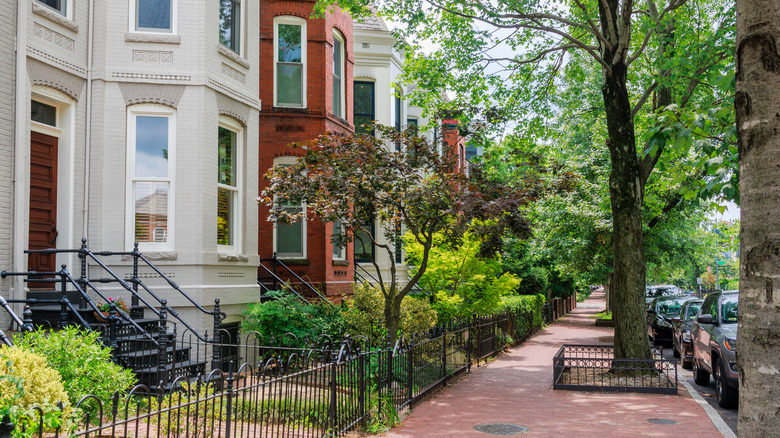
(659,317)
(681,326)
(660,290)
(714,346)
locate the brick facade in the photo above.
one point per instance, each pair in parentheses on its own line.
(281,126)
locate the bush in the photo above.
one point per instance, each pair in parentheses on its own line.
(366,314)
(85,365)
(524,303)
(26,381)
(289,313)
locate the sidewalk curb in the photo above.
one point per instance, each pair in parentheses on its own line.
(721,425)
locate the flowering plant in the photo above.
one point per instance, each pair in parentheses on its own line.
(120,302)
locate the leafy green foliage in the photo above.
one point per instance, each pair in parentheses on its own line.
(524,304)
(461,282)
(288,313)
(365,314)
(85,365)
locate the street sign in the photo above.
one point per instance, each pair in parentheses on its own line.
(721,262)
(698,280)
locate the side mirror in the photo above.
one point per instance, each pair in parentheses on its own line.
(676,319)
(704,319)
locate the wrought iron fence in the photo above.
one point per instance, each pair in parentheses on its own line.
(594,367)
(289,387)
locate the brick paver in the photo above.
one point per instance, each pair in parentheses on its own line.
(517,389)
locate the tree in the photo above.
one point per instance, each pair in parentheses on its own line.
(621,37)
(357,181)
(758,125)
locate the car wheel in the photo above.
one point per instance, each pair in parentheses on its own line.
(700,376)
(726,395)
(687,364)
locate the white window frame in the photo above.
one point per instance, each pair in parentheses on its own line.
(150,110)
(297,21)
(133,5)
(66,5)
(287,160)
(238,213)
(241,15)
(342,79)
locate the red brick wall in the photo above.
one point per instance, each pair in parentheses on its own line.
(280,127)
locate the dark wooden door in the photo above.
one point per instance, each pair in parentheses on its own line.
(43,204)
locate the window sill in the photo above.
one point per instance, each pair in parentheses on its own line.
(340,262)
(294,262)
(155,256)
(233,56)
(290,109)
(162,38)
(56,17)
(231,257)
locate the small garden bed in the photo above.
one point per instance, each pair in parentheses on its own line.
(593,367)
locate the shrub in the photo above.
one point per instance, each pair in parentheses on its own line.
(27,381)
(85,365)
(289,313)
(524,303)
(366,314)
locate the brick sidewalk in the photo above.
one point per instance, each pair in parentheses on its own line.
(517,389)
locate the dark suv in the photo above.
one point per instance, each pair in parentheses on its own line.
(659,317)
(681,326)
(714,346)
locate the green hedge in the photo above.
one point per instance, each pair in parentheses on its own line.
(524,303)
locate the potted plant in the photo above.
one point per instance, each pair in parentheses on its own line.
(105,308)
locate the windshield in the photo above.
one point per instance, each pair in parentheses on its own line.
(730,308)
(692,311)
(661,291)
(669,308)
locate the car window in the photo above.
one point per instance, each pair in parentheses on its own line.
(708,308)
(729,308)
(692,310)
(669,308)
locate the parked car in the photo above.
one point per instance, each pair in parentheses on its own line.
(681,331)
(660,290)
(714,340)
(659,317)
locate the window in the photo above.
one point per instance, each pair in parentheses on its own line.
(58,5)
(364,106)
(339,252)
(290,238)
(154,16)
(397,101)
(364,247)
(228,204)
(230,24)
(338,74)
(290,61)
(411,122)
(399,245)
(43,113)
(151,152)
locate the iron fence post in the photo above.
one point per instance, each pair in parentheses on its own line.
(333,399)
(112,335)
(162,347)
(478,329)
(134,302)
(83,278)
(444,354)
(468,345)
(63,299)
(215,347)
(27,322)
(229,396)
(6,427)
(410,371)
(362,387)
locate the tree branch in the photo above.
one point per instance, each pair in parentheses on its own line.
(593,27)
(643,99)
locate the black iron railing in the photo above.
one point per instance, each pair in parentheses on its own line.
(594,367)
(278,282)
(293,387)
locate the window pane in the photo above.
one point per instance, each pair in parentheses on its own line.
(338,250)
(151,211)
(337,96)
(42,113)
(411,122)
(364,248)
(58,5)
(225,200)
(337,62)
(229,23)
(154,14)
(289,43)
(151,147)
(288,81)
(363,105)
(227,157)
(289,239)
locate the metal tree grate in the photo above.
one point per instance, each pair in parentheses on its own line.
(501,428)
(661,421)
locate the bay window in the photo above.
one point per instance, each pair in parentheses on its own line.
(338,74)
(153,16)
(228,199)
(230,24)
(290,62)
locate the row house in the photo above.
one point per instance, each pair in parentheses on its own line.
(153,121)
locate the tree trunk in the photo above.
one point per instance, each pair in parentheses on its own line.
(393,317)
(758,130)
(626,194)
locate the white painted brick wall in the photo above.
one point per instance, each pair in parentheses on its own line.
(7,90)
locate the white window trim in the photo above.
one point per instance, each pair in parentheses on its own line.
(155,111)
(174,20)
(304,241)
(287,19)
(241,29)
(68,8)
(238,213)
(337,35)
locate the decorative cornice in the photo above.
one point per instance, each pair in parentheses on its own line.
(45,56)
(41,73)
(230,107)
(234,93)
(233,56)
(58,18)
(53,37)
(135,93)
(162,38)
(233,73)
(150,76)
(153,56)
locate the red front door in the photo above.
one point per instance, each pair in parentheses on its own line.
(43,203)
